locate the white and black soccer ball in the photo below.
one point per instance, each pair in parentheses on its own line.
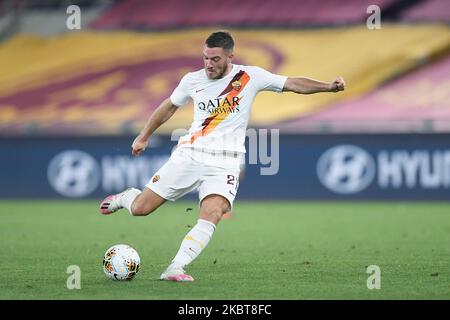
(121,262)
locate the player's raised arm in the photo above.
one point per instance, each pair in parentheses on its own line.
(163,113)
(307,85)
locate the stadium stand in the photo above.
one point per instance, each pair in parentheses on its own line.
(47,4)
(55,85)
(429,11)
(249,13)
(71,82)
(46,18)
(417,102)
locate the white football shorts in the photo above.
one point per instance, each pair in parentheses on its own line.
(189,169)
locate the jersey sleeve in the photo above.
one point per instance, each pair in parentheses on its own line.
(268,81)
(180,96)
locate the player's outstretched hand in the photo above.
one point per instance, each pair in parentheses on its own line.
(337,85)
(139,145)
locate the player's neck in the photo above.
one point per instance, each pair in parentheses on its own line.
(228,70)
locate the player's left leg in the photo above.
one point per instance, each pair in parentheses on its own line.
(212,208)
(229,214)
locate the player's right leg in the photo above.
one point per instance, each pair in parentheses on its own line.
(173,180)
(138,203)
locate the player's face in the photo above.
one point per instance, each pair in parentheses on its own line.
(216,61)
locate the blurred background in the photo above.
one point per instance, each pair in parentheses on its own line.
(72,97)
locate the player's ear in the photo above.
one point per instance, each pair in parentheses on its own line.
(230,56)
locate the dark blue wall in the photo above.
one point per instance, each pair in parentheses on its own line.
(409,167)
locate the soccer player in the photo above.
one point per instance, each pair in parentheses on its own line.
(209,157)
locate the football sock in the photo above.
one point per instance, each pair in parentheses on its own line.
(193,243)
(128,197)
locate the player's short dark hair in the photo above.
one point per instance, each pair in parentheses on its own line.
(220,39)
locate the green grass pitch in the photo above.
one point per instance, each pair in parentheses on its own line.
(267,250)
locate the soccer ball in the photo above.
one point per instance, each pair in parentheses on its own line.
(121,262)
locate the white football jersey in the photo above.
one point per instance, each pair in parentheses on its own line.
(222,107)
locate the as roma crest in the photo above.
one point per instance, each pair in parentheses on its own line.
(236,85)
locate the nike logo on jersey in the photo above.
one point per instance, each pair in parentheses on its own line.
(197,91)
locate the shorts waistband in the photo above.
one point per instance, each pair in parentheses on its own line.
(223,153)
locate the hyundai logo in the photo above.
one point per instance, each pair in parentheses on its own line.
(74,173)
(346,169)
